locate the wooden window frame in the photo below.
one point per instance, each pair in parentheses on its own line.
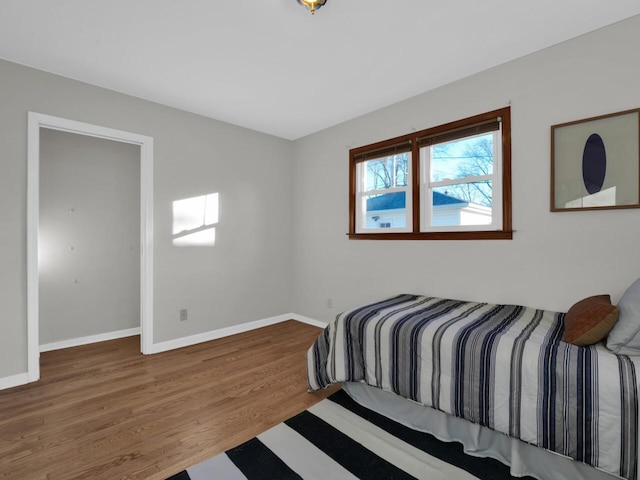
(360,154)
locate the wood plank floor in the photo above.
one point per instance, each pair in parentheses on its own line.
(105,411)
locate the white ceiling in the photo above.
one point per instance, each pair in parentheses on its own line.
(270,66)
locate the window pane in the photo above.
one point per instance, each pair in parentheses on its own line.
(386,172)
(385,211)
(471,156)
(462,204)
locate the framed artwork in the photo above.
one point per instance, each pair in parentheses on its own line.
(595,163)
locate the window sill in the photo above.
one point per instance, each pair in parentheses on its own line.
(478,235)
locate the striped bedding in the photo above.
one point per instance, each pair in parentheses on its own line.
(501,366)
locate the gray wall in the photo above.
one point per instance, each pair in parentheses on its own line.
(89,242)
(246,276)
(553,260)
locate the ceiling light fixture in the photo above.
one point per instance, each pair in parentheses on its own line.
(312,5)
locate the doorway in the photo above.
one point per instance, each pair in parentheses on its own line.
(37,122)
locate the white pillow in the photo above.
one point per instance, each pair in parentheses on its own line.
(624,338)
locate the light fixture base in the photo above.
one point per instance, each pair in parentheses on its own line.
(312,5)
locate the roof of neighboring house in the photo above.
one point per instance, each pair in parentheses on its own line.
(395,200)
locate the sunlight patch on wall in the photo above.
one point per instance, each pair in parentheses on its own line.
(194,219)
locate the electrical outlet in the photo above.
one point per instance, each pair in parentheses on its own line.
(329,303)
(183,315)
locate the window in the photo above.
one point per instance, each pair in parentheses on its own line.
(384,189)
(447,182)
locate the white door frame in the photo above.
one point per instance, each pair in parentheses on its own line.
(36,121)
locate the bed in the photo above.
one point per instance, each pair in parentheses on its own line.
(498,378)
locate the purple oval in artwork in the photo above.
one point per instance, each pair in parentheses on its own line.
(594,163)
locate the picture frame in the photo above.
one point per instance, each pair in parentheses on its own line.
(595,163)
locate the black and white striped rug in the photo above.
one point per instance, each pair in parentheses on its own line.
(339,439)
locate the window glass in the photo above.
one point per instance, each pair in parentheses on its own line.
(453,205)
(458,189)
(387,210)
(383,191)
(386,172)
(462,158)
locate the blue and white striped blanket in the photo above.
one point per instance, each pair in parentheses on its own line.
(501,366)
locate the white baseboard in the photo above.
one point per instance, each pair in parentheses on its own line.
(233,330)
(14,381)
(310,321)
(101,337)
(23,378)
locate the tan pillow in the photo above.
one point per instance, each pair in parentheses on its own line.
(589,320)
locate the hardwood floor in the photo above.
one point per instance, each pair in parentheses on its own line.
(105,411)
